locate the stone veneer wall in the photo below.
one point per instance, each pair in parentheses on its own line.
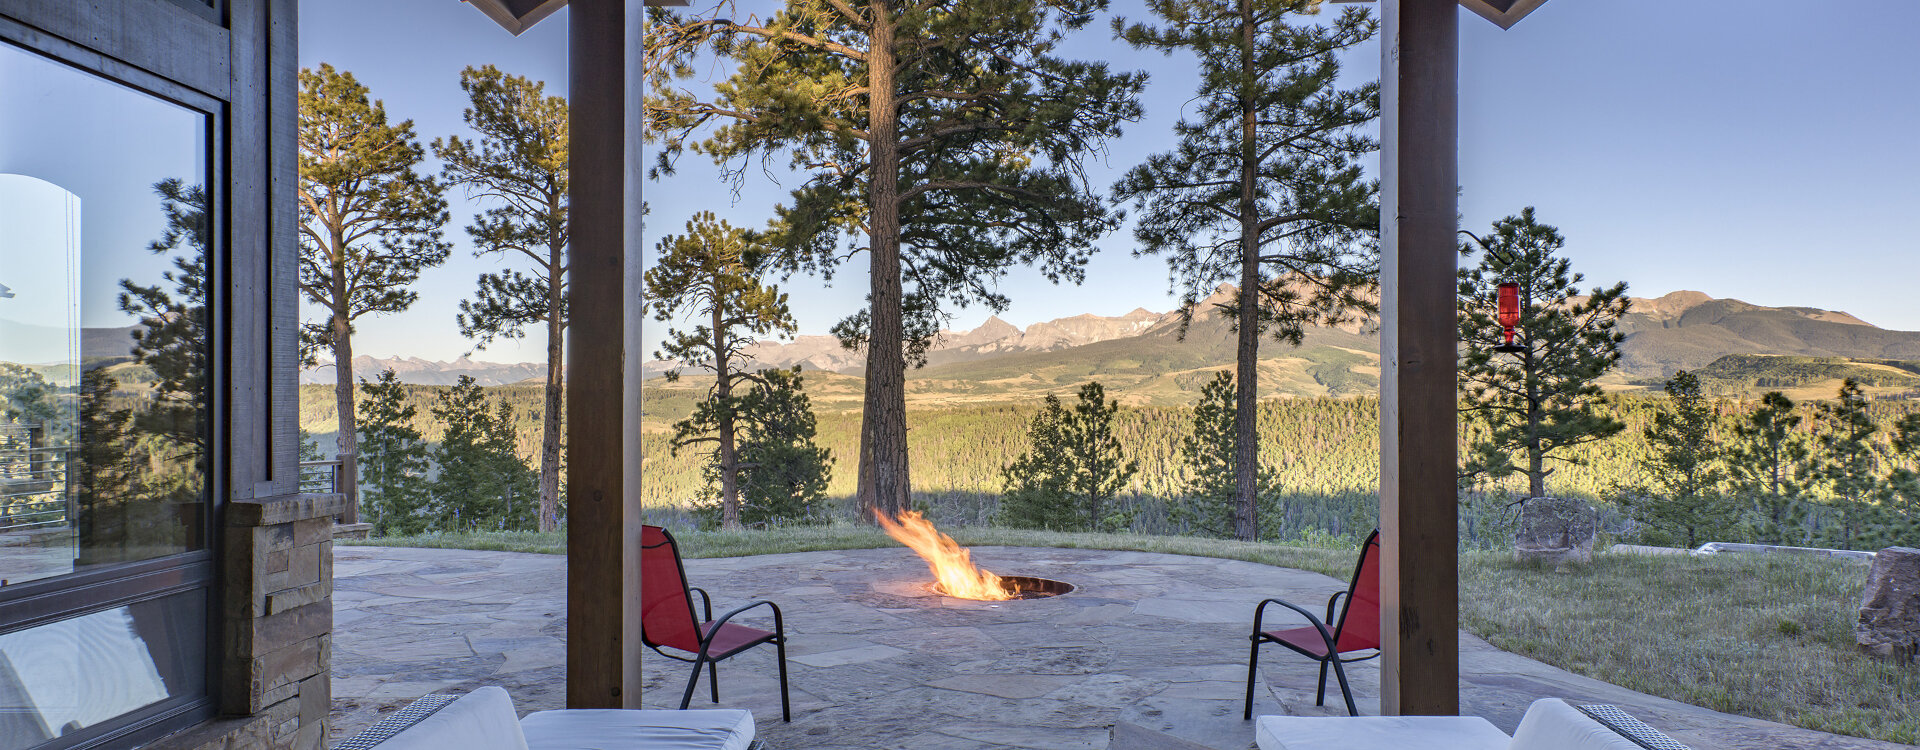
(276,617)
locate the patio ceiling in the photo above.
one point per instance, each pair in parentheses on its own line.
(517,16)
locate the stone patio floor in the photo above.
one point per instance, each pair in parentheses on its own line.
(879,661)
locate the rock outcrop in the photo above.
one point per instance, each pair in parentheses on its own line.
(1555,530)
(1889,624)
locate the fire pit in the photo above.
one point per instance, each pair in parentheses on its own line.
(1024,587)
(952,565)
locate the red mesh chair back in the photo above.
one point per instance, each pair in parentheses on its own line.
(1359,625)
(666,607)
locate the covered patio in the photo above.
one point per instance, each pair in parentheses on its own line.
(1154,641)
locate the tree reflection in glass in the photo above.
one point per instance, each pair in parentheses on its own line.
(141,463)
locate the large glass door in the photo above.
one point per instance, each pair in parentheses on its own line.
(107,255)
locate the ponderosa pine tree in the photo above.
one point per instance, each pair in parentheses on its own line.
(104,470)
(1848,463)
(940,137)
(1766,460)
(309,447)
(1210,496)
(711,274)
(1685,473)
(369,221)
(1539,402)
(783,474)
(1072,470)
(483,483)
(174,341)
(393,459)
(1265,188)
(518,163)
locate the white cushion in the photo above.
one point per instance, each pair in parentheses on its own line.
(1377,733)
(480,720)
(609,728)
(1551,724)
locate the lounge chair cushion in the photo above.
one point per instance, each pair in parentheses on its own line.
(1552,724)
(611,729)
(1378,733)
(481,720)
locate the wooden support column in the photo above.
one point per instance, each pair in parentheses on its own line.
(602,372)
(1420,672)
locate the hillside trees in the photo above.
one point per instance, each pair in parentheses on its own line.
(1685,474)
(369,222)
(1072,470)
(393,459)
(1765,462)
(1210,495)
(1265,187)
(1902,492)
(483,484)
(1847,464)
(939,137)
(1540,403)
(518,162)
(712,274)
(26,397)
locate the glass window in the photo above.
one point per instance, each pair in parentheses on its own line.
(56,680)
(104,341)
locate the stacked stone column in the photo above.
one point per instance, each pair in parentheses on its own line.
(278,616)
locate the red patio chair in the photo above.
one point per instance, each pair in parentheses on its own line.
(666,619)
(1356,629)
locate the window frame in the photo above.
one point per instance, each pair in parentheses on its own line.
(33,603)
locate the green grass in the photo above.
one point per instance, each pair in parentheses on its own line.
(1764,636)
(549,543)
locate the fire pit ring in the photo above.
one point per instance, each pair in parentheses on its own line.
(1027,587)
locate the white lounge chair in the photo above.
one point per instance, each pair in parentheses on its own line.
(485,720)
(1550,724)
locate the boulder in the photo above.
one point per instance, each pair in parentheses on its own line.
(1555,530)
(1889,624)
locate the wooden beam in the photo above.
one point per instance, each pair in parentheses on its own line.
(602,375)
(1420,608)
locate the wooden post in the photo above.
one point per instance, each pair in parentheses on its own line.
(602,373)
(1420,672)
(346,481)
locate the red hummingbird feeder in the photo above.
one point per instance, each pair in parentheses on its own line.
(1509,317)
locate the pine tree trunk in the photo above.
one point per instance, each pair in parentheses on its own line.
(1536,461)
(723,395)
(1536,469)
(550,421)
(342,331)
(1246,445)
(883,421)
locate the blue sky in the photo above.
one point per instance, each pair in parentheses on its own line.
(79,156)
(1755,149)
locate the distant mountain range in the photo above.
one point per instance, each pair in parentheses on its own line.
(427,372)
(1142,357)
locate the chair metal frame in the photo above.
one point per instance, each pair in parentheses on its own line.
(712,628)
(1330,637)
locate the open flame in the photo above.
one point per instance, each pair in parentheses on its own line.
(951,563)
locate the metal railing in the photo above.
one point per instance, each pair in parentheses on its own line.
(339,475)
(33,487)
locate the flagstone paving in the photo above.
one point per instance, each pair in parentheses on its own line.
(880,661)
